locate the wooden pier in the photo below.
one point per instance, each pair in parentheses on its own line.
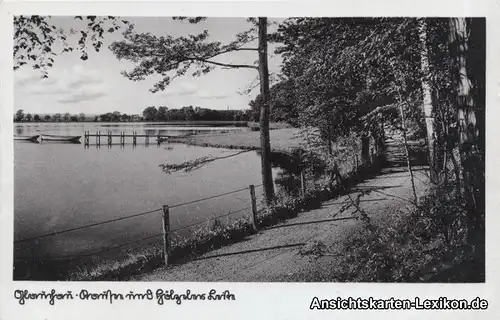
(108,137)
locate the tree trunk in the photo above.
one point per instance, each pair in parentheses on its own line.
(469,86)
(477,64)
(365,149)
(407,151)
(265,145)
(427,103)
(329,138)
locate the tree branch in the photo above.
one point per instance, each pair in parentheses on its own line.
(225,64)
(245,49)
(189,166)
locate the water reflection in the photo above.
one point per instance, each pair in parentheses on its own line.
(172,129)
(62,186)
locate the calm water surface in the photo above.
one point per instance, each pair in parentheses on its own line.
(60,186)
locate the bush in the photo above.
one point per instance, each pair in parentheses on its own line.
(285,207)
(425,245)
(211,236)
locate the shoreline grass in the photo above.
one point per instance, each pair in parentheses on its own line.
(212,236)
(281,140)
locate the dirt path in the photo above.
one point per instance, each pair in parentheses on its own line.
(273,253)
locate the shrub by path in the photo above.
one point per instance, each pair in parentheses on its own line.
(273,254)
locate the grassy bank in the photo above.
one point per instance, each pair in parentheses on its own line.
(414,243)
(281,140)
(408,248)
(216,233)
(206,237)
(255,126)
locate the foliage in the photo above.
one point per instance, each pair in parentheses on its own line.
(427,244)
(282,108)
(135,263)
(150,113)
(36,39)
(170,57)
(365,75)
(190,165)
(443,210)
(209,236)
(345,68)
(189,113)
(19,116)
(163,55)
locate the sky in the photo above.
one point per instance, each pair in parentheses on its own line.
(96,85)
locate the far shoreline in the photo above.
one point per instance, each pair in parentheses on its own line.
(282,140)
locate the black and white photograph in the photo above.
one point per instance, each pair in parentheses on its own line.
(239,149)
(249,149)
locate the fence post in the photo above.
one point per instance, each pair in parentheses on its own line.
(302,185)
(166,233)
(254,207)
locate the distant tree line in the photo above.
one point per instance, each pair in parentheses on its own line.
(150,113)
(191,113)
(20,116)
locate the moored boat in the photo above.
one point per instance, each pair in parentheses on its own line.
(27,138)
(51,137)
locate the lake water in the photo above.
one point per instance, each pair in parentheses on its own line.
(60,186)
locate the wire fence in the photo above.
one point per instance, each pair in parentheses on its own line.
(93,253)
(348,166)
(210,219)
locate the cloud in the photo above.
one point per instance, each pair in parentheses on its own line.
(182,88)
(73,85)
(47,89)
(80,77)
(33,78)
(81,96)
(185,88)
(205,94)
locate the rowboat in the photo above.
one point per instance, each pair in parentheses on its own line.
(27,138)
(50,137)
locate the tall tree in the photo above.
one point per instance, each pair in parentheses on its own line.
(467,50)
(283,104)
(19,115)
(265,146)
(125,117)
(427,100)
(150,113)
(171,57)
(117,116)
(162,113)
